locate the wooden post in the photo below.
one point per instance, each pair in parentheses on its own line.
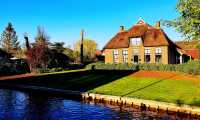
(81,54)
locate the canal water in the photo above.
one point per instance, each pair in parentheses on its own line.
(15,105)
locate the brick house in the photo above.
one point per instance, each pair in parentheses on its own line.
(143,43)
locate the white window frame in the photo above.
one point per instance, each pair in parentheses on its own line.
(135,41)
(147,51)
(125,55)
(115,56)
(158,51)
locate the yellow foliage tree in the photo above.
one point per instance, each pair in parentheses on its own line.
(89,49)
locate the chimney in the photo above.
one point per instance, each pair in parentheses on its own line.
(122,29)
(158,25)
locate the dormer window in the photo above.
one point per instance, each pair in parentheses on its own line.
(135,41)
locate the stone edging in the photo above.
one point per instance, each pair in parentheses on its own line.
(148,103)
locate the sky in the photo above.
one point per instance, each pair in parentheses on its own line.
(101,19)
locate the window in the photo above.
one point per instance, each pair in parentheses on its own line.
(125,56)
(158,51)
(147,57)
(115,56)
(135,58)
(135,41)
(158,55)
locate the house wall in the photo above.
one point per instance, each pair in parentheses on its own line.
(165,53)
(108,56)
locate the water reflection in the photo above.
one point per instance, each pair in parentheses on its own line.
(12,104)
(16,105)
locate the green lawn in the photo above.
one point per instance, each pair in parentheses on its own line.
(166,90)
(118,83)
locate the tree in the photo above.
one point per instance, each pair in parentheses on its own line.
(188,22)
(9,40)
(89,49)
(70,53)
(38,52)
(58,59)
(58,46)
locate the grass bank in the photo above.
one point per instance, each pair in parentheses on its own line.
(167,90)
(119,83)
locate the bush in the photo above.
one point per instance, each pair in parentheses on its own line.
(192,67)
(42,70)
(102,66)
(48,70)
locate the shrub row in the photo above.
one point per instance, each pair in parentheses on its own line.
(59,69)
(50,70)
(192,67)
(102,66)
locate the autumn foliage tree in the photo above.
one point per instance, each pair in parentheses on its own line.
(89,49)
(38,52)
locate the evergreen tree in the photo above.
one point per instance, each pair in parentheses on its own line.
(9,40)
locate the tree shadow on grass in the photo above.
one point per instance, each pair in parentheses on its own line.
(77,81)
(149,85)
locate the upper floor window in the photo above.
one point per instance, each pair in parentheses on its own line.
(135,41)
(125,56)
(115,56)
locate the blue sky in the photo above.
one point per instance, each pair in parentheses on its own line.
(63,19)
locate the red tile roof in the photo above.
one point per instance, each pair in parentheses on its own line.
(194,53)
(151,36)
(98,52)
(188,44)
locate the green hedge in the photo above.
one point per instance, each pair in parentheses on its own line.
(102,66)
(48,70)
(192,67)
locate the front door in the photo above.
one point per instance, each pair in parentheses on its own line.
(135,59)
